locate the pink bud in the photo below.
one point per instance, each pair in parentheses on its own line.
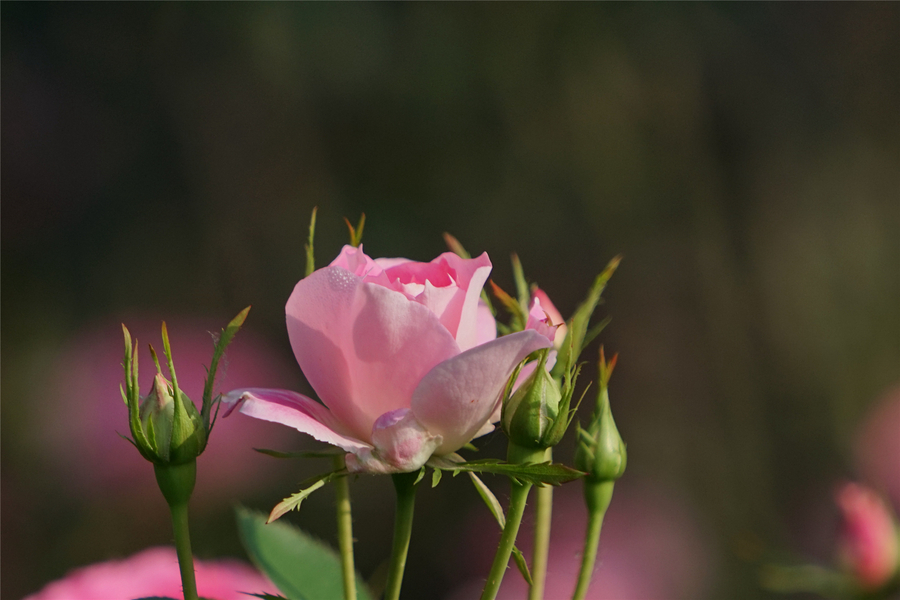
(869,545)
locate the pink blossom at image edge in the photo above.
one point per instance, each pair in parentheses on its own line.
(154,572)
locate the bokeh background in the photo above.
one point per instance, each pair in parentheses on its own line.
(160,161)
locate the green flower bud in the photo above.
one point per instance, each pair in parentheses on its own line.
(537,414)
(173,430)
(600,451)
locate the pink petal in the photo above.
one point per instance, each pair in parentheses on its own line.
(486,324)
(555,316)
(540,321)
(457,397)
(453,294)
(294,410)
(361,346)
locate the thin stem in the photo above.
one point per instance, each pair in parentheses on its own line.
(405,485)
(518,497)
(183,549)
(542,513)
(598,496)
(345,530)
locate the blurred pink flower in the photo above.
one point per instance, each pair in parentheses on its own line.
(869,542)
(650,549)
(154,572)
(403,354)
(877,447)
(81,413)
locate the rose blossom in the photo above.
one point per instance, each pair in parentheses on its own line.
(869,544)
(154,572)
(403,355)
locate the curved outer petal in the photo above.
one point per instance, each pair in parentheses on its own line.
(361,346)
(294,410)
(555,316)
(457,397)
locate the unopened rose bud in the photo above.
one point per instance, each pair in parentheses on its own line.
(536,415)
(174,430)
(600,451)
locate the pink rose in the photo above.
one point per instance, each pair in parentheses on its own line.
(403,355)
(869,544)
(154,572)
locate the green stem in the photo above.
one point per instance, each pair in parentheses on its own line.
(543,511)
(405,485)
(345,530)
(598,496)
(518,497)
(183,549)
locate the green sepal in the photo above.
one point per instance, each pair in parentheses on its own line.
(310,253)
(300,566)
(538,474)
(599,449)
(577,328)
(132,392)
(522,290)
(436,478)
(512,306)
(225,338)
(356,233)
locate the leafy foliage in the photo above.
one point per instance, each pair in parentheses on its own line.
(302,567)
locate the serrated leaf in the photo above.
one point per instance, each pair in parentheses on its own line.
(316,454)
(294,501)
(534,473)
(302,567)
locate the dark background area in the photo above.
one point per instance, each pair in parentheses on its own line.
(160,161)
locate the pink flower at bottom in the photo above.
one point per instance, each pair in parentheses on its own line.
(154,572)
(869,544)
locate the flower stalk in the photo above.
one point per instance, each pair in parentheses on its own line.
(543,511)
(405,486)
(345,529)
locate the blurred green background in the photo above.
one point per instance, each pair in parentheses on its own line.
(160,161)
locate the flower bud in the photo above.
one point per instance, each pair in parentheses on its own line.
(536,415)
(173,430)
(600,451)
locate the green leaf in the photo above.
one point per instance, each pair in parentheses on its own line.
(436,478)
(294,501)
(319,454)
(310,256)
(302,567)
(538,474)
